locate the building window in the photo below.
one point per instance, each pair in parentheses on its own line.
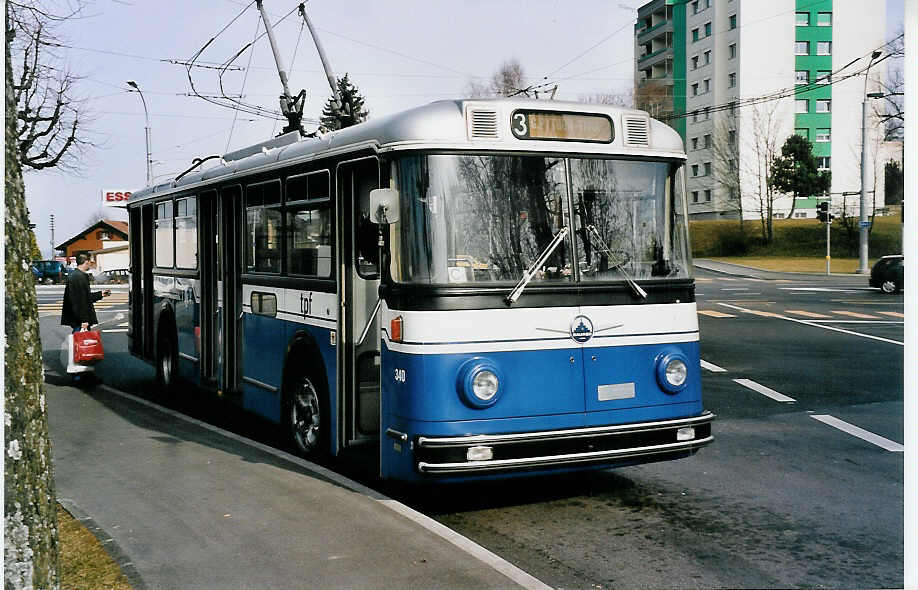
(824,19)
(707,168)
(707,57)
(695,62)
(804,133)
(694,116)
(103,235)
(695,89)
(803,19)
(778,215)
(823,135)
(732,108)
(731,136)
(823,106)
(802,105)
(802,77)
(731,51)
(800,214)
(824,162)
(707,29)
(707,140)
(694,170)
(801,48)
(824,77)
(731,80)
(695,7)
(694,143)
(694,196)
(732,21)
(707,195)
(694,35)
(706,85)
(823,48)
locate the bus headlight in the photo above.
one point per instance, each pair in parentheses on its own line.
(672,372)
(479,383)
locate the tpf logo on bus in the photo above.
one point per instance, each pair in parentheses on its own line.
(581,329)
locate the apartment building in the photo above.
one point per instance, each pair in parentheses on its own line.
(699,63)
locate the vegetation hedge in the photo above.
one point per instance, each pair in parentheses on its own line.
(793,237)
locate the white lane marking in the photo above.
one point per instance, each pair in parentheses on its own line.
(110,330)
(814,324)
(712,367)
(860,433)
(857,322)
(734,288)
(759,388)
(506,568)
(820,289)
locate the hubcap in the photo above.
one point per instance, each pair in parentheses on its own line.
(305,416)
(888,287)
(166,363)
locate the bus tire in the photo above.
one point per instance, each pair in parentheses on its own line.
(166,360)
(306,415)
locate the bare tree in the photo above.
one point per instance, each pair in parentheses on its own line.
(50,117)
(726,158)
(655,97)
(508,80)
(763,141)
(890,112)
(31,557)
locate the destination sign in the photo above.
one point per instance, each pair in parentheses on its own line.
(562,126)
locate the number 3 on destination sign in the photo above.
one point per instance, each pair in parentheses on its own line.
(523,129)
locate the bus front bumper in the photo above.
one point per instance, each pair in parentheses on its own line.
(640,442)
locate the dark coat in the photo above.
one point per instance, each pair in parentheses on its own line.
(77,307)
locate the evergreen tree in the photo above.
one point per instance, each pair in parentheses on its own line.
(345,112)
(795,171)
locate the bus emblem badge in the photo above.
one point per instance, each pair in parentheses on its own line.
(581,329)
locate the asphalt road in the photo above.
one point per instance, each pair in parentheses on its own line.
(803,485)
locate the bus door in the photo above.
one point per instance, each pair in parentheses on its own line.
(140,332)
(227,290)
(358,360)
(207,246)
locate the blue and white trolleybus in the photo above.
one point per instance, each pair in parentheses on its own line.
(476,287)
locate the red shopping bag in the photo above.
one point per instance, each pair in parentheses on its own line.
(87,347)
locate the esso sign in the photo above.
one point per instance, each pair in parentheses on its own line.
(115,198)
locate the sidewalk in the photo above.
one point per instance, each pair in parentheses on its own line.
(190,506)
(757,273)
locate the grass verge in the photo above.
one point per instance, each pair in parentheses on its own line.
(85,564)
(809,264)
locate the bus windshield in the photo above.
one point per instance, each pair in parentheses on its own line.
(487,218)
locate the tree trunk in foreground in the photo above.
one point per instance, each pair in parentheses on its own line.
(30,552)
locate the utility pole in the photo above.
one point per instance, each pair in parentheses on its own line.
(864,221)
(52,237)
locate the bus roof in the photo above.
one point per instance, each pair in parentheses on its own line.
(464,124)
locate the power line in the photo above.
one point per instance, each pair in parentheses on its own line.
(591,48)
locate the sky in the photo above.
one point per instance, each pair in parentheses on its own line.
(400,54)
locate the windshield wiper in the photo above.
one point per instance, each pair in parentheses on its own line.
(530,272)
(618,264)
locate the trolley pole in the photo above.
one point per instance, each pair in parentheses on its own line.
(291,107)
(332,80)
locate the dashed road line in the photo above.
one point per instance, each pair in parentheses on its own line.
(814,324)
(860,433)
(712,367)
(766,391)
(715,314)
(854,314)
(893,314)
(807,314)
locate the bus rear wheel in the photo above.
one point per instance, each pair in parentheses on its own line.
(166,363)
(307,417)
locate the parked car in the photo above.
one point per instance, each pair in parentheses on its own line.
(115,276)
(36,274)
(50,271)
(888,273)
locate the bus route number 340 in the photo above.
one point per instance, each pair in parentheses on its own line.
(400,375)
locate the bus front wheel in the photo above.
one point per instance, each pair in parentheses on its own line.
(307,417)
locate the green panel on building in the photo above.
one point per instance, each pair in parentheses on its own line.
(679,65)
(813,22)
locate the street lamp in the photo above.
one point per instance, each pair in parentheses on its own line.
(146,115)
(864,221)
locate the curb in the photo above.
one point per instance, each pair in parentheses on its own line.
(108,543)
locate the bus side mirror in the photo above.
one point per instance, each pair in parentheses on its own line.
(384,205)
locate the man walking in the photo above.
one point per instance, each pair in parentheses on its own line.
(78,311)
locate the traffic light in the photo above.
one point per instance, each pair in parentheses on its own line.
(822,212)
